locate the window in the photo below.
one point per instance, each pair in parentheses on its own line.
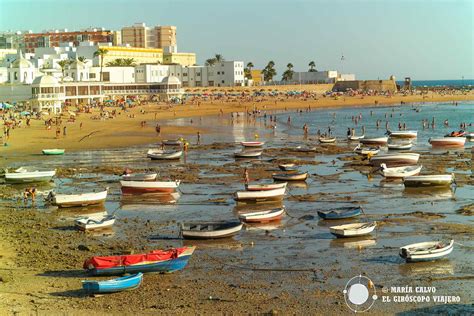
(222,81)
(222,72)
(218,72)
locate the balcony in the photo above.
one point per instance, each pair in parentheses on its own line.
(49,96)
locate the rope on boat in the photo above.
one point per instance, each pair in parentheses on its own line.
(261,269)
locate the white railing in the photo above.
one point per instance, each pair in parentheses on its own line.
(48,96)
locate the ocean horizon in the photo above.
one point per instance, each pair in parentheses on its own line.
(440,83)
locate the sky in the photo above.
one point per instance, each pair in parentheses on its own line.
(422,39)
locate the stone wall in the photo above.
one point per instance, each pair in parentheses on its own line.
(375,85)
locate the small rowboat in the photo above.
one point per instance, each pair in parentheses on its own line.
(128,282)
(399,172)
(172,142)
(305,149)
(341,213)
(248,154)
(353,230)
(210,230)
(403,134)
(164,261)
(299,176)
(72,200)
(139,176)
(439,180)
(276,194)
(399,146)
(374,141)
(447,141)
(24,176)
(355,137)
(94,222)
(366,150)
(426,251)
(326,140)
(54,151)
(159,154)
(263,216)
(141,187)
(398,159)
(287,167)
(265,186)
(252,144)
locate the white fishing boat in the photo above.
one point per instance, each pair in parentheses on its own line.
(252,144)
(374,141)
(398,159)
(399,172)
(287,166)
(403,134)
(172,142)
(447,141)
(276,194)
(399,146)
(210,230)
(426,251)
(72,200)
(151,176)
(327,140)
(366,151)
(265,186)
(95,222)
(353,230)
(437,180)
(248,154)
(25,176)
(297,176)
(142,187)
(355,137)
(53,151)
(160,154)
(263,216)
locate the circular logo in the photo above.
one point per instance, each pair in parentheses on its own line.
(360,294)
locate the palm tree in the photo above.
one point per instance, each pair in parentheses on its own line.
(288,74)
(248,71)
(211,62)
(101,52)
(269,71)
(312,66)
(219,58)
(82,58)
(63,63)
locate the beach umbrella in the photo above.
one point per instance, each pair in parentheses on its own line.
(7,105)
(24,113)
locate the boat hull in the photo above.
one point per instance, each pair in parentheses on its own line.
(133,190)
(447,142)
(404,134)
(425,256)
(289,177)
(374,141)
(217,234)
(339,215)
(113,286)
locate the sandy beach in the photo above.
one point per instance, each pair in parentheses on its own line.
(124,131)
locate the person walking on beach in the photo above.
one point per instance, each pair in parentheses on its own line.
(349,132)
(363,129)
(58,132)
(198,138)
(246,176)
(64,131)
(158,129)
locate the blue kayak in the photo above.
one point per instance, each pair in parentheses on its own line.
(340,213)
(128,282)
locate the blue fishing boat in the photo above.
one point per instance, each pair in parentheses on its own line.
(163,261)
(128,282)
(341,213)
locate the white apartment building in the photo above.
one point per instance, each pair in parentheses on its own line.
(328,76)
(222,74)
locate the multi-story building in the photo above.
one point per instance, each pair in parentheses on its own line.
(140,35)
(222,74)
(12,40)
(55,37)
(165,36)
(138,54)
(136,35)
